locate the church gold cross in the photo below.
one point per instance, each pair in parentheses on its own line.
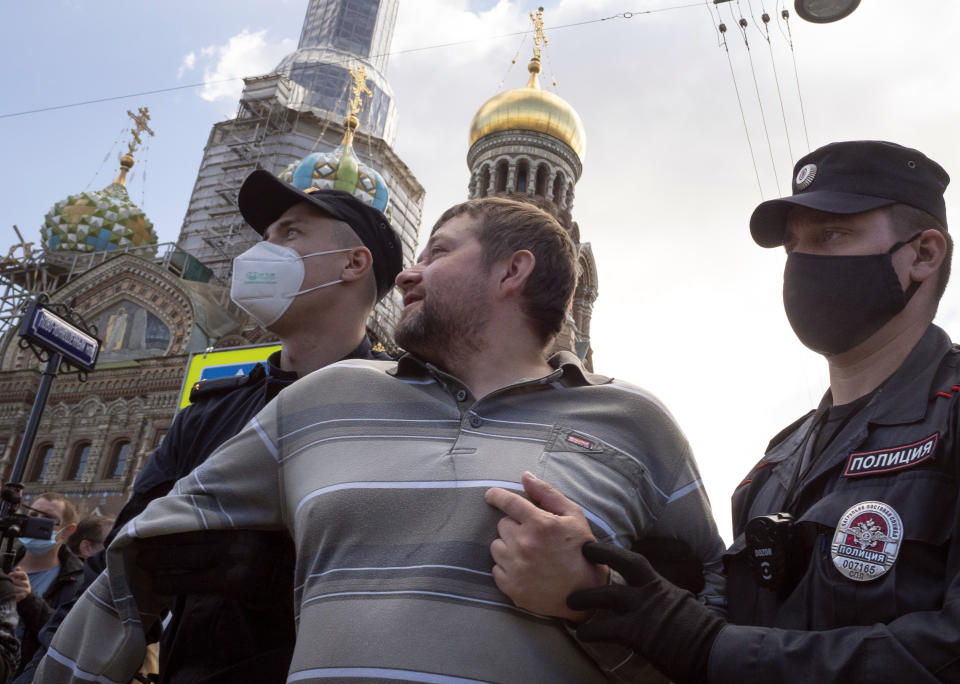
(359,89)
(141,119)
(539,38)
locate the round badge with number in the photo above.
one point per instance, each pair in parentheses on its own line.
(867,541)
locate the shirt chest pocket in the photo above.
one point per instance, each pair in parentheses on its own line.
(613,487)
(879,549)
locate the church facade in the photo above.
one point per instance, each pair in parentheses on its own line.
(325,118)
(154,306)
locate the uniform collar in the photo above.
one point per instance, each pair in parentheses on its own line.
(277,378)
(903,398)
(411,366)
(275,372)
(364,350)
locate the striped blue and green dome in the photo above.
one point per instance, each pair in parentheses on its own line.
(339,170)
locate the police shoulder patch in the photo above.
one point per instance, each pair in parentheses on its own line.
(891,458)
(867,541)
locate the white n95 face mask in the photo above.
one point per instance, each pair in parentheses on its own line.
(267,277)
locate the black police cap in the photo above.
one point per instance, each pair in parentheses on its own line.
(263,198)
(852,177)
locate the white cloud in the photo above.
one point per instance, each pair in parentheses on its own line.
(189,61)
(245,54)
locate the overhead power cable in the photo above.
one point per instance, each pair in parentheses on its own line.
(714,22)
(765,18)
(743,24)
(785,15)
(746,130)
(158,91)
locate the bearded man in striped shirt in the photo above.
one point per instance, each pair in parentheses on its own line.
(379,471)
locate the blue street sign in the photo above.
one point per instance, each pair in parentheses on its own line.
(227,370)
(54,334)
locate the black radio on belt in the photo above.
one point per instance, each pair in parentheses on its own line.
(775,549)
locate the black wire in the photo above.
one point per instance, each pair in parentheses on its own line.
(715,26)
(756,87)
(796,75)
(621,15)
(776,80)
(746,130)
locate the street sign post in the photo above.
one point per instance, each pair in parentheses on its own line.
(57,341)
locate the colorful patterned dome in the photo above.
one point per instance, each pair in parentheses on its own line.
(339,170)
(97,222)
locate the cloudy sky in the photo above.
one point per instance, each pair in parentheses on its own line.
(689,307)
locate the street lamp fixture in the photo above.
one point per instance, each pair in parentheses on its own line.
(824,11)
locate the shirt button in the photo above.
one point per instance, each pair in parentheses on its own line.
(461,394)
(475,421)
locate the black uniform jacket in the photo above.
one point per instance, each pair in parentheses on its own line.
(901,449)
(213,638)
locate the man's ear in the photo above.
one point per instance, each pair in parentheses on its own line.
(358,265)
(516,270)
(930,251)
(68,530)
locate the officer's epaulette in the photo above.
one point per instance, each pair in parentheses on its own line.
(208,388)
(787,431)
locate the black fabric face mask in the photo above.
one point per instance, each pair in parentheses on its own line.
(834,303)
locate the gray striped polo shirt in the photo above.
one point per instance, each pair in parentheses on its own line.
(378,470)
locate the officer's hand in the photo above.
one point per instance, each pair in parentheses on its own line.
(537,556)
(674,560)
(21,584)
(242,564)
(664,623)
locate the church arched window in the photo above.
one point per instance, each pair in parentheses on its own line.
(541,188)
(501,182)
(558,188)
(117,464)
(484,181)
(78,461)
(523,172)
(41,463)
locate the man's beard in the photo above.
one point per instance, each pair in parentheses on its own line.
(440,333)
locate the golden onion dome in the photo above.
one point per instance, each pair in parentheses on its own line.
(531,109)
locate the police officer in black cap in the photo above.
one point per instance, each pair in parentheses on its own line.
(326,259)
(846,560)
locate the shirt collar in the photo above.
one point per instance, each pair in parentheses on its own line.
(573,371)
(410,366)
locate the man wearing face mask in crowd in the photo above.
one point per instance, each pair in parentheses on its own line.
(48,573)
(326,259)
(845,564)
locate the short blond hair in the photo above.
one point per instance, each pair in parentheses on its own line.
(69,510)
